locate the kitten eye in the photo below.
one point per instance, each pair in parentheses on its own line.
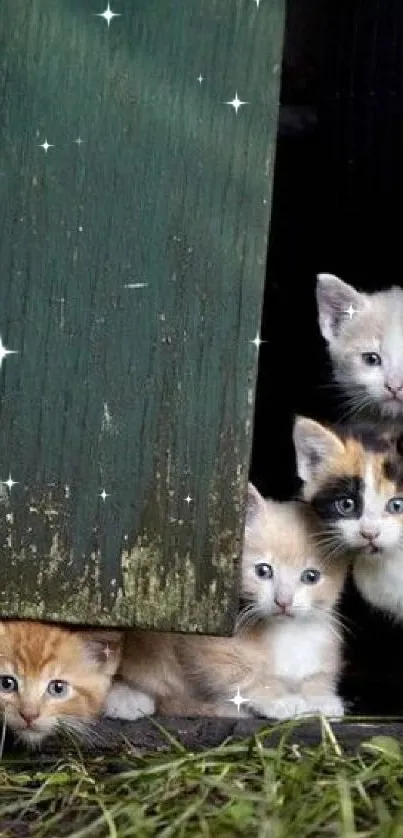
(310,576)
(345,506)
(264,570)
(371,359)
(58,689)
(8,684)
(394,506)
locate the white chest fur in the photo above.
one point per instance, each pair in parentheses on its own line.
(299,648)
(381,582)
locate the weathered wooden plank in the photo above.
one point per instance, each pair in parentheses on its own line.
(143,392)
(197,734)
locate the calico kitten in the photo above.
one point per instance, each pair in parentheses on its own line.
(353,479)
(53,678)
(364,334)
(285,656)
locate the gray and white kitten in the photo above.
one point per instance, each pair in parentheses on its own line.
(364,335)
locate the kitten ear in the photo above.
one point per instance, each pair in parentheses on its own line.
(255,505)
(314,446)
(335,299)
(104,648)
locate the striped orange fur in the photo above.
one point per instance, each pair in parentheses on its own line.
(36,655)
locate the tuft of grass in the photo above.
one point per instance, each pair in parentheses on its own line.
(245,788)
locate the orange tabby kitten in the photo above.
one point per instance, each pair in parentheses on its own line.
(53,678)
(286,655)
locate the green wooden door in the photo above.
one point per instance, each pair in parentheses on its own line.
(134,217)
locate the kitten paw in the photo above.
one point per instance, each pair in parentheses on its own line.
(124,702)
(287,707)
(328,705)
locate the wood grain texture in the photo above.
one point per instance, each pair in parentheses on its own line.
(146,393)
(197,734)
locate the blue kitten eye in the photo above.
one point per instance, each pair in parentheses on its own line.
(8,684)
(310,576)
(371,359)
(345,506)
(58,689)
(394,506)
(264,570)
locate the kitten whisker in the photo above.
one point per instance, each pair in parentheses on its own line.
(356,403)
(81,731)
(332,549)
(343,621)
(335,617)
(328,540)
(336,634)
(248,617)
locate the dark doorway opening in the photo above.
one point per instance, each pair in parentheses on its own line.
(336,208)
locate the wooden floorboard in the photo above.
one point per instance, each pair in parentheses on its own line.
(146,736)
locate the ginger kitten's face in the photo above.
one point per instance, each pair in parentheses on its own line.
(364,333)
(354,481)
(52,678)
(283,573)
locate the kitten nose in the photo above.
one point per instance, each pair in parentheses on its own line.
(393,388)
(283,601)
(370,533)
(29,716)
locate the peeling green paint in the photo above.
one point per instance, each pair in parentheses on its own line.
(141,601)
(145,393)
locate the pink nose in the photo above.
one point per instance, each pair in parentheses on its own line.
(393,388)
(29,716)
(282,602)
(369,534)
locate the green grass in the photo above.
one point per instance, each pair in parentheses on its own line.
(242,788)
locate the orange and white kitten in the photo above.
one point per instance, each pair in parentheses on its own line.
(285,657)
(54,678)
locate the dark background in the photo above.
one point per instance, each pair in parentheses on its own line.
(337,207)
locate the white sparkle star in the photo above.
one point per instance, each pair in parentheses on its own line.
(136,285)
(257,341)
(104,495)
(9,483)
(238,700)
(351,311)
(200,78)
(78,141)
(236,103)
(188,500)
(4,352)
(257,3)
(46,145)
(108,15)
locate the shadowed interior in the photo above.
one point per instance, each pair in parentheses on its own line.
(334,209)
